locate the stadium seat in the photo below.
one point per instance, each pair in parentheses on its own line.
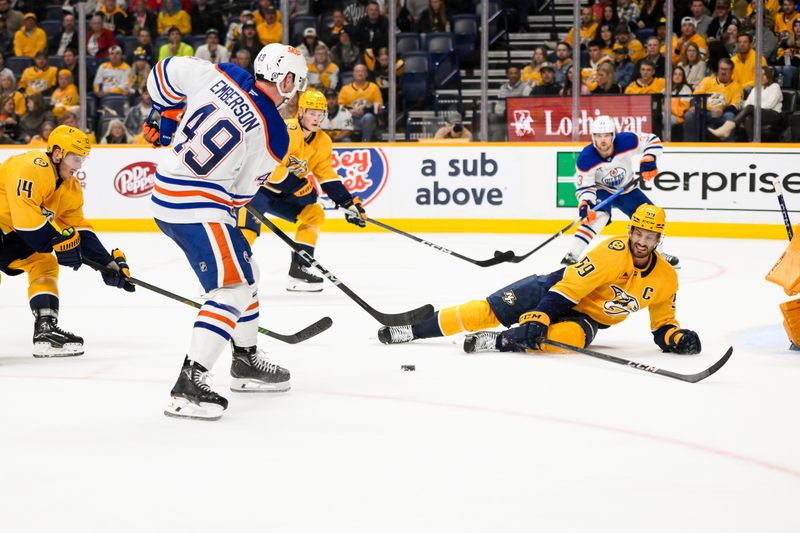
(115,102)
(55,61)
(18,63)
(643,34)
(128,44)
(298,25)
(51,28)
(415,80)
(465,37)
(53,13)
(345,77)
(407,42)
(444,61)
(197,40)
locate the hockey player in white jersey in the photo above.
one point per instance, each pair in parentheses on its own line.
(227,138)
(602,168)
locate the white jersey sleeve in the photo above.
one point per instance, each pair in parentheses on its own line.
(229,140)
(593,172)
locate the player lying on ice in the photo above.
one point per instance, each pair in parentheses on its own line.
(618,277)
(41,212)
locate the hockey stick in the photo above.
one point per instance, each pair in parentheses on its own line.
(304,334)
(690,378)
(519,258)
(499,257)
(387,319)
(785,212)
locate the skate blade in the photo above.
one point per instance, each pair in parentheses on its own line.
(43,349)
(183,408)
(254,385)
(296,285)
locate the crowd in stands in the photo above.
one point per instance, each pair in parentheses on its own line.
(622,45)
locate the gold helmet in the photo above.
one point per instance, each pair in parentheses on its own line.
(69,139)
(313,99)
(650,218)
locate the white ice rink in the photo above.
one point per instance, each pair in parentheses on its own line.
(486,443)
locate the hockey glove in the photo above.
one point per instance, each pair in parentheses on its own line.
(684,342)
(306,194)
(648,168)
(532,329)
(118,272)
(585,211)
(67,247)
(161,134)
(354,213)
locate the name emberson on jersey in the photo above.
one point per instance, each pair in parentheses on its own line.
(228,143)
(615,171)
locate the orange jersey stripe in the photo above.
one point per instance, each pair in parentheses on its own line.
(215,316)
(163,82)
(194,192)
(230,276)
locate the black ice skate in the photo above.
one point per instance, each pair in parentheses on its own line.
(395,334)
(192,397)
(49,340)
(300,279)
(482,341)
(252,371)
(569,259)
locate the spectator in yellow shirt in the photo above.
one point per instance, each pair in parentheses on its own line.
(171,15)
(270,31)
(596,58)
(688,35)
(175,46)
(646,83)
(363,99)
(65,97)
(113,76)
(30,38)
(723,100)
(587,30)
(8,87)
(624,39)
(530,74)
(785,19)
(744,61)
(39,78)
(40,139)
(322,72)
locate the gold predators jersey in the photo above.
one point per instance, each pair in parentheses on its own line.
(606,286)
(31,195)
(312,155)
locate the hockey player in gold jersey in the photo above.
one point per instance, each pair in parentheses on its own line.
(41,212)
(618,277)
(290,195)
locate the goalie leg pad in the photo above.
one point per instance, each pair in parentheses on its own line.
(471,316)
(786,271)
(791,320)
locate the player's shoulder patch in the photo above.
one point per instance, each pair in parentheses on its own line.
(587,159)
(41,162)
(625,141)
(618,245)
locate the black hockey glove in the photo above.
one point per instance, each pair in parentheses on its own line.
(354,212)
(67,247)
(118,272)
(685,342)
(532,329)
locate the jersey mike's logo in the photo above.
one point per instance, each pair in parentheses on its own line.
(136,179)
(364,171)
(611,177)
(622,303)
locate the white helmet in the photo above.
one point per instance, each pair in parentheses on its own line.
(275,61)
(603,124)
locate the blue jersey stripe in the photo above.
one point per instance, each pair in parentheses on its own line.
(200,184)
(248,318)
(191,205)
(228,308)
(219,331)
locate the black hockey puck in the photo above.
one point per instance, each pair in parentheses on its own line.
(408,368)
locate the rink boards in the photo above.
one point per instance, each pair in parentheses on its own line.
(710,190)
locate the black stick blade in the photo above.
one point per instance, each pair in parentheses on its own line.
(499,257)
(304,334)
(694,378)
(415,316)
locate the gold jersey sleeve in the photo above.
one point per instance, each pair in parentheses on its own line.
(320,161)
(27,185)
(606,286)
(69,212)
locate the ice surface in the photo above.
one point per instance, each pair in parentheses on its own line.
(480,443)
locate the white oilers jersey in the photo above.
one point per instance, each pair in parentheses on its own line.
(593,172)
(229,141)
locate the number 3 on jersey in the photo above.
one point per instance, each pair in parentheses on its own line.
(205,150)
